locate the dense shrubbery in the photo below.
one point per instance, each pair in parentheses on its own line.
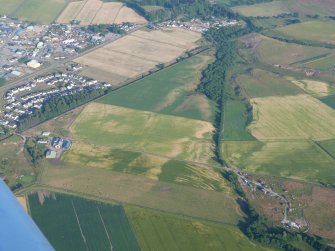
(104,28)
(35,151)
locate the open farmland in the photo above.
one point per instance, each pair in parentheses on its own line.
(183,233)
(319,31)
(168,136)
(313,87)
(270,9)
(325,63)
(303,160)
(286,53)
(235,121)
(292,117)
(142,191)
(73,223)
(42,11)
(99,12)
(311,7)
(170,91)
(135,54)
(260,83)
(147,165)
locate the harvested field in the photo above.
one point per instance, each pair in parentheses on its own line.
(169,91)
(301,160)
(88,11)
(98,12)
(108,13)
(292,117)
(71,12)
(73,223)
(139,190)
(183,233)
(135,54)
(263,9)
(167,136)
(315,88)
(129,15)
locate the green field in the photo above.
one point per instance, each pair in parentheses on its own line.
(170,91)
(285,53)
(311,7)
(329,100)
(325,63)
(302,160)
(292,118)
(260,83)
(142,191)
(41,11)
(328,146)
(235,121)
(161,231)
(140,131)
(73,223)
(270,9)
(150,166)
(319,31)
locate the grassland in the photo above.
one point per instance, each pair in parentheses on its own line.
(270,9)
(135,54)
(99,12)
(286,53)
(260,83)
(170,91)
(14,167)
(167,136)
(315,88)
(42,11)
(325,63)
(161,231)
(328,146)
(72,223)
(292,117)
(147,165)
(311,7)
(329,100)
(235,121)
(313,30)
(142,191)
(302,160)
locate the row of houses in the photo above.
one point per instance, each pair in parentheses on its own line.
(52,85)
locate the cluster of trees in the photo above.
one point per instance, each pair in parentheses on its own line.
(58,105)
(35,151)
(247,2)
(104,28)
(181,8)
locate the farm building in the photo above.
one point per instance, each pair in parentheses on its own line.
(51,154)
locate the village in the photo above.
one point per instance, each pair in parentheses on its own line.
(197,25)
(26,46)
(23,100)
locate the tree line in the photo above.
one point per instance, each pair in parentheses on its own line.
(58,105)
